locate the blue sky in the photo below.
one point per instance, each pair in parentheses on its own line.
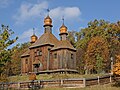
(24,15)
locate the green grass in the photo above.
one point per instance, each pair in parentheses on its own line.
(51,76)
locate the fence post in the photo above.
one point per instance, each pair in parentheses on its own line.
(84,82)
(3,86)
(98,80)
(61,82)
(110,79)
(18,85)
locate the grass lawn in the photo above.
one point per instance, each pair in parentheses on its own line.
(97,87)
(51,76)
(63,76)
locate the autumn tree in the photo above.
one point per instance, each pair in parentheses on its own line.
(97,55)
(15,64)
(116,67)
(107,32)
(5,53)
(80,60)
(114,38)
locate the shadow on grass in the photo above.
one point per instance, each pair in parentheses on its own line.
(116,81)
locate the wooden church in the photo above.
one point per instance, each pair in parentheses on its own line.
(47,54)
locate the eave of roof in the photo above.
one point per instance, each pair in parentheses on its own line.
(25,54)
(65,44)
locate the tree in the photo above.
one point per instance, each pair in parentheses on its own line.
(97,54)
(5,53)
(108,33)
(15,64)
(71,37)
(80,60)
(114,38)
(116,67)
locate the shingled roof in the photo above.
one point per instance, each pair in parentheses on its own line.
(63,44)
(46,38)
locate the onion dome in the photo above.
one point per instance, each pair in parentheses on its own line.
(63,29)
(47,21)
(33,38)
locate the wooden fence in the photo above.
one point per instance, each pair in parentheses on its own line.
(73,82)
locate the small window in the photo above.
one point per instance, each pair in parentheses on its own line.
(72,56)
(26,61)
(45,30)
(35,54)
(55,55)
(60,37)
(39,52)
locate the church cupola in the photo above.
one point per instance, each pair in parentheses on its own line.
(63,31)
(48,23)
(33,37)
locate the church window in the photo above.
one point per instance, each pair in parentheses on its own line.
(26,61)
(45,29)
(60,37)
(55,55)
(39,52)
(35,54)
(72,56)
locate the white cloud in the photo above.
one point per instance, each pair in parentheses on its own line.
(67,12)
(28,10)
(81,28)
(5,3)
(25,36)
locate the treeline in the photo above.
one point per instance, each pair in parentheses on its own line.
(97,46)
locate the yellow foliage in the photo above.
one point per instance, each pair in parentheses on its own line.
(97,45)
(116,67)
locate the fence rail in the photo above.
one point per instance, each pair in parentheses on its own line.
(73,82)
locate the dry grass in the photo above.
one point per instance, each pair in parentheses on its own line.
(66,76)
(62,76)
(18,78)
(97,87)
(51,76)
